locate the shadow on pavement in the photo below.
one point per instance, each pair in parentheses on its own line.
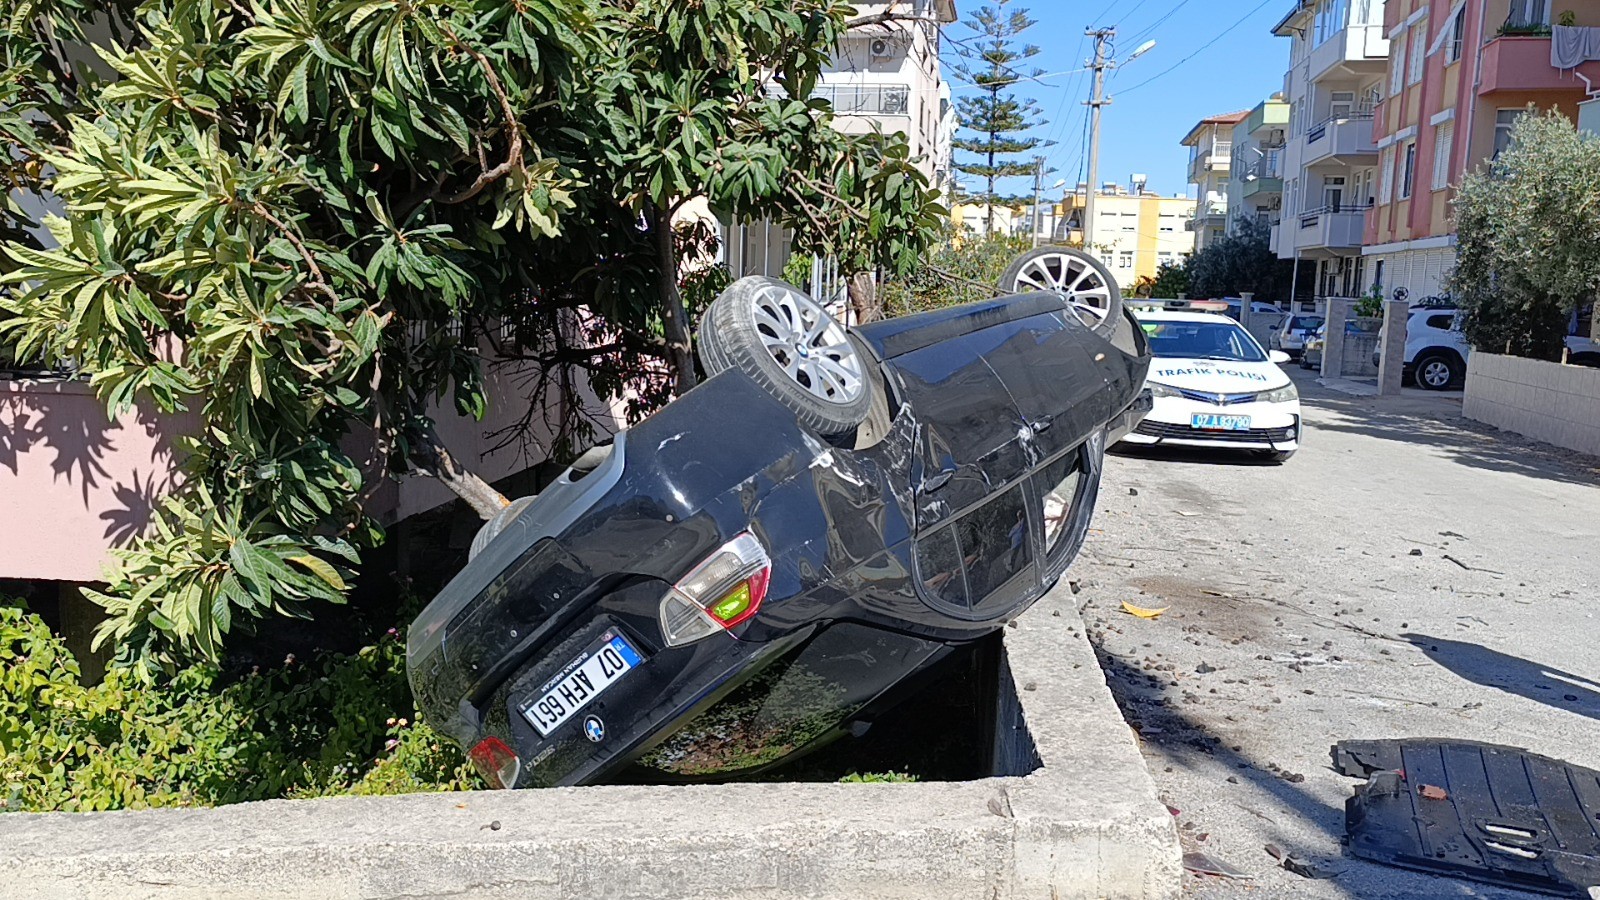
(1222,456)
(1438,423)
(1513,674)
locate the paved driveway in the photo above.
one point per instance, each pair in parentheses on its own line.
(1408,573)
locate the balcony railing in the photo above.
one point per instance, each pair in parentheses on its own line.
(1320,130)
(866,99)
(1311,217)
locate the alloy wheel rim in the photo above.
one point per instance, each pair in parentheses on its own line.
(808,344)
(1436,373)
(1071,276)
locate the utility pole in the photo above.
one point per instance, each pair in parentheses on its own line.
(1038,189)
(1097,99)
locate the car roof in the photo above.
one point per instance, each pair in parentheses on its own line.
(1182,316)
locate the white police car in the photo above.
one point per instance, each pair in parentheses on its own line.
(1213,386)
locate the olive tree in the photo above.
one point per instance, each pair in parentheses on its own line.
(303,220)
(1528,239)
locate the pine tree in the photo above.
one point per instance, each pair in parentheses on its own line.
(989,62)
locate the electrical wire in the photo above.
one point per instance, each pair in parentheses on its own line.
(1203,47)
(1149,29)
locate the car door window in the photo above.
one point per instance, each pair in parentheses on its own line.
(982,564)
(1443,323)
(939,567)
(997,552)
(1058,485)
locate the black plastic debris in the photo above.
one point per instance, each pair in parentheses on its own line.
(1489,813)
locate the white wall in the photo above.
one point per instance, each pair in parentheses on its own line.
(1545,401)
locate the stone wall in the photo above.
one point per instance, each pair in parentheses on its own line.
(1542,400)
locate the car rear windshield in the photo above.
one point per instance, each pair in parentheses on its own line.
(1202,340)
(1305,323)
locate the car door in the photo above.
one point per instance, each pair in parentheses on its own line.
(970,433)
(1056,371)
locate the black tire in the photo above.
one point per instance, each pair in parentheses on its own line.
(1438,371)
(1275,456)
(737,333)
(1080,279)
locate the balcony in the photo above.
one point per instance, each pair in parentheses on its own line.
(1211,157)
(866,99)
(1207,214)
(1346,140)
(1331,228)
(1353,51)
(1521,64)
(1269,115)
(1262,177)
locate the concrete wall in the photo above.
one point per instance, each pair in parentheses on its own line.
(1541,400)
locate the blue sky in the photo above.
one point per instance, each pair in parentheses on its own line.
(1140,130)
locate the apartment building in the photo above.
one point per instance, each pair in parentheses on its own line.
(1135,231)
(1255,176)
(1338,59)
(1210,144)
(883,77)
(1459,74)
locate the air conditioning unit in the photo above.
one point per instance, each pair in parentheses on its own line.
(881,48)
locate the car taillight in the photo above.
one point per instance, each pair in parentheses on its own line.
(497,763)
(724,590)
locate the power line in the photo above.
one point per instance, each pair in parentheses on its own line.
(1131,11)
(1148,29)
(1203,47)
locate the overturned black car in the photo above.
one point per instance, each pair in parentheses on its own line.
(756,567)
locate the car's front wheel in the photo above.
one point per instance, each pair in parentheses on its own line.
(1438,371)
(1079,278)
(787,343)
(1277,456)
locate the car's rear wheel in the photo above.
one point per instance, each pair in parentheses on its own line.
(1438,371)
(1078,277)
(787,343)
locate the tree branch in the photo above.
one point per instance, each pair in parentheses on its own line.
(514,152)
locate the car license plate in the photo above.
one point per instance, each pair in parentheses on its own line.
(571,692)
(1215,422)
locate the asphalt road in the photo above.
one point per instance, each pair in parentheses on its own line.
(1407,574)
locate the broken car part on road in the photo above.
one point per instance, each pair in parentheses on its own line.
(1481,811)
(757,567)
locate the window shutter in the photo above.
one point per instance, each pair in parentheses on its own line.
(1397,59)
(1443,143)
(1386,176)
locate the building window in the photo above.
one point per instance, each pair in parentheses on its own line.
(1418,46)
(1443,142)
(1397,62)
(1504,121)
(1528,13)
(1386,175)
(1125,259)
(1458,33)
(1408,169)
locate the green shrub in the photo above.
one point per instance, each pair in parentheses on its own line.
(336,724)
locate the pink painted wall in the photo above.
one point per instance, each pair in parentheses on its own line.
(73,483)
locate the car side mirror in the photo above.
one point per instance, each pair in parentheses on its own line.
(1277,356)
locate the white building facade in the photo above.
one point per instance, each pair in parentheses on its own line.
(1337,72)
(1210,144)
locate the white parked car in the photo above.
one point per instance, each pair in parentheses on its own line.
(1436,350)
(1213,386)
(1291,335)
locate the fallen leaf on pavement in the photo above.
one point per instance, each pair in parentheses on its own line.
(1201,864)
(1432,792)
(1143,612)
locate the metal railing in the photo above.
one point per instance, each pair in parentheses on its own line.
(867,99)
(1320,130)
(1309,218)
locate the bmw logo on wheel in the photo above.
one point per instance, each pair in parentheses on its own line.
(594,729)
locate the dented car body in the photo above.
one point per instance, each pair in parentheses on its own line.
(723,588)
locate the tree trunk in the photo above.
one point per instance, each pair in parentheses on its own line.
(674,319)
(864,298)
(430,455)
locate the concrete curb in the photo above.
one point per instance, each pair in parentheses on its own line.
(1086,824)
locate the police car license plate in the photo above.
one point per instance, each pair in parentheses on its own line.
(1215,422)
(600,669)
